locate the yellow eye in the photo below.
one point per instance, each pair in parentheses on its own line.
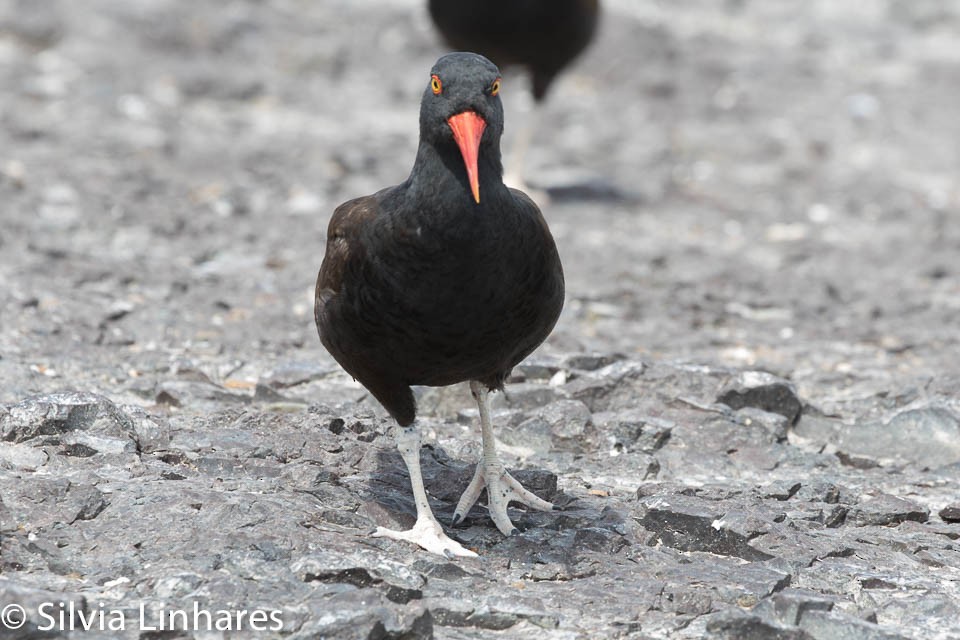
(436,85)
(495,87)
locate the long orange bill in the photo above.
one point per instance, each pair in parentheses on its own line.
(467,130)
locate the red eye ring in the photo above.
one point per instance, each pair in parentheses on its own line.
(495,87)
(435,84)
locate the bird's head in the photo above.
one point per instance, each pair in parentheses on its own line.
(461,105)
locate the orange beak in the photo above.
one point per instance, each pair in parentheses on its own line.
(467,130)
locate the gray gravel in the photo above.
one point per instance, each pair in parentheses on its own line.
(749,409)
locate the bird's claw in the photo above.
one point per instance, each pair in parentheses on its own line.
(502,489)
(428,534)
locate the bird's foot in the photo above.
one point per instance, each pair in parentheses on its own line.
(502,489)
(428,533)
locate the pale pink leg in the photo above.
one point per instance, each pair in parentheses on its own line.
(426,531)
(501,487)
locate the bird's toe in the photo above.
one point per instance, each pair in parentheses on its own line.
(428,534)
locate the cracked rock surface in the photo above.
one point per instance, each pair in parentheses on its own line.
(749,410)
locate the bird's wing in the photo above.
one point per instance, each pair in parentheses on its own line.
(343,243)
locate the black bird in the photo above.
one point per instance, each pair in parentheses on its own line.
(542,35)
(447,277)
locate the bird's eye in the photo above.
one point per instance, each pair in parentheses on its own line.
(495,87)
(436,85)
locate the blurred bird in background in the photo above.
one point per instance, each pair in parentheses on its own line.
(542,36)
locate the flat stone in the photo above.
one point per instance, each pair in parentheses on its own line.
(928,436)
(632,430)
(495,613)
(564,425)
(525,396)
(790,605)
(44,502)
(776,424)
(885,510)
(813,430)
(833,625)
(822,491)
(606,388)
(224,466)
(59,413)
(30,599)
(689,523)
(291,374)
(186,393)
(950,513)
(355,614)
(362,569)
(151,432)
(764,391)
(799,549)
(591,361)
(21,456)
(781,490)
(727,580)
(738,626)
(70,442)
(537,367)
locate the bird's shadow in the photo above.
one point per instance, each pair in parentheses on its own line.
(553,536)
(389,485)
(586,189)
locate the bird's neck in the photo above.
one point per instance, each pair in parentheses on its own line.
(439,171)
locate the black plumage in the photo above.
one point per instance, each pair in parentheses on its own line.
(542,35)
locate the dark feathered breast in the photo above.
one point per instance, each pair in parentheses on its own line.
(408,304)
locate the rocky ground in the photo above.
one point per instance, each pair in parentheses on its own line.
(749,408)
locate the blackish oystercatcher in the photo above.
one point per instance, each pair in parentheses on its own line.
(448,277)
(542,35)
